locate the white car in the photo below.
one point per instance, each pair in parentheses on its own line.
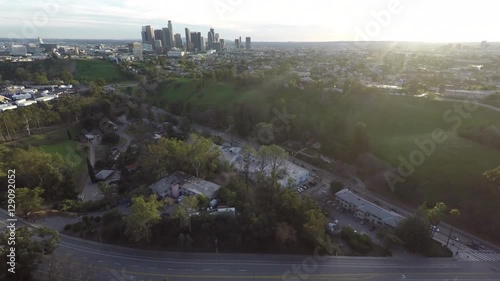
(434,228)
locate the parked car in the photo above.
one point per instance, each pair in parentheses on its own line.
(455,238)
(434,228)
(362,222)
(372,228)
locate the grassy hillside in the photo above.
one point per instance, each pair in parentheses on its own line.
(393,124)
(89,70)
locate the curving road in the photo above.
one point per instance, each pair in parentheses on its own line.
(113,263)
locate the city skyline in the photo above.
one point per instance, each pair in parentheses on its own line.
(314,21)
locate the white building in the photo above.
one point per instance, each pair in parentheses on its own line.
(18,50)
(22,103)
(180,183)
(4,107)
(45,98)
(175,54)
(366,210)
(288,170)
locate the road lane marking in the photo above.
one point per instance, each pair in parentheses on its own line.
(100,261)
(206,269)
(134,265)
(117,263)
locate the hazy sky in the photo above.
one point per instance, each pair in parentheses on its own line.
(263,20)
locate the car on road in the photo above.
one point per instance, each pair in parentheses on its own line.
(362,222)
(372,228)
(314,170)
(434,228)
(302,165)
(453,237)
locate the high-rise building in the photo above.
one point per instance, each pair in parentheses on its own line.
(217,46)
(159,35)
(188,38)
(216,37)
(196,41)
(248,43)
(210,40)
(143,35)
(178,41)
(158,46)
(203,45)
(167,44)
(237,43)
(147,34)
(241,43)
(221,41)
(171,34)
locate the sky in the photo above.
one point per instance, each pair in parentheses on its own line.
(263,20)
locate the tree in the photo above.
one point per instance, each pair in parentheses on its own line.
(454,213)
(263,158)
(277,158)
(248,153)
(106,189)
(31,246)
(37,168)
(188,205)
(436,214)
(202,155)
(41,78)
(202,200)
(285,233)
(29,200)
(336,186)
(69,134)
(414,232)
(144,215)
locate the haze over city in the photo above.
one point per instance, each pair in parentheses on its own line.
(315,20)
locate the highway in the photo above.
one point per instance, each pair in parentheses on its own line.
(113,263)
(133,264)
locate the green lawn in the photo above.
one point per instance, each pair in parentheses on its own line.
(91,70)
(58,142)
(395,123)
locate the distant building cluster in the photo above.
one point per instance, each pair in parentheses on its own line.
(13,97)
(164,40)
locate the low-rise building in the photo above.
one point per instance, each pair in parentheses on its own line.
(288,171)
(181,184)
(366,210)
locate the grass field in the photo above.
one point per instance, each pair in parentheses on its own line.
(393,124)
(58,142)
(396,123)
(91,70)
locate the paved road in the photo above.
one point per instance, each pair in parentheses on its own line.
(119,263)
(472,102)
